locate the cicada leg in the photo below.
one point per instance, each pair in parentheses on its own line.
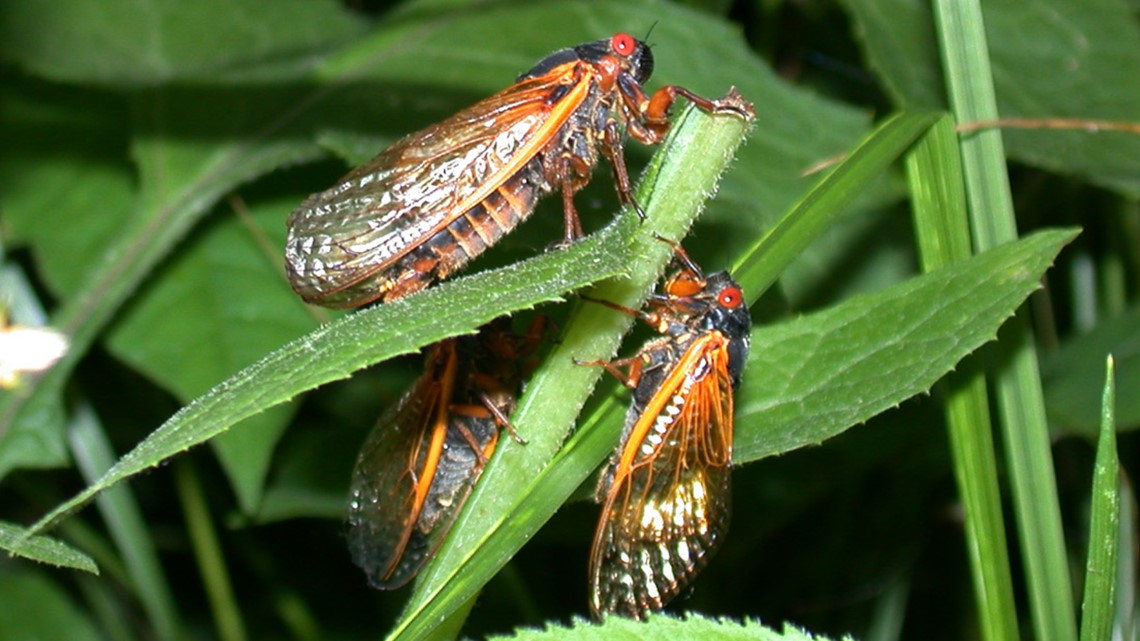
(613,146)
(628,378)
(573,173)
(648,116)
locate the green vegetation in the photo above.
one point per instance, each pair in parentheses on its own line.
(948,438)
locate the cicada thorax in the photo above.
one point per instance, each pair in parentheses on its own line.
(665,492)
(436,198)
(424,456)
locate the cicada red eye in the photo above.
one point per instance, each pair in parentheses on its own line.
(665,492)
(435,199)
(623,44)
(731,298)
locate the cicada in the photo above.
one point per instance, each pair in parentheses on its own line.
(424,456)
(665,492)
(435,199)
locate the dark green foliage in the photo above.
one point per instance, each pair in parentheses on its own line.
(152,150)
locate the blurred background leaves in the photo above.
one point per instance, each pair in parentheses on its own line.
(153,149)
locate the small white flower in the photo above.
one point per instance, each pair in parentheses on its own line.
(26,350)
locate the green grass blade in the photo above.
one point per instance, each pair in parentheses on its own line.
(127,527)
(208,554)
(521,489)
(890,611)
(942,228)
(1098,610)
(1021,405)
(971,91)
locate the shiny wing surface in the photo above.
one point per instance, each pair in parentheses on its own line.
(416,187)
(393,474)
(669,501)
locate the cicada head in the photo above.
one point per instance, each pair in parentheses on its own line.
(727,312)
(630,54)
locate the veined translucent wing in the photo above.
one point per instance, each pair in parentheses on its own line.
(394,474)
(667,503)
(423,182)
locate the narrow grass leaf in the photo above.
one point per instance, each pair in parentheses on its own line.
(120,511)
(1021,406)
(943,232)
(208,554)
(1098,610)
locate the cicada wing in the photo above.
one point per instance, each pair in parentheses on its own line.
(380,211)
(667,506)
(393,475)
(469,443)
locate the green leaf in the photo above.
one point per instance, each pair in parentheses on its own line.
(809,379)
(1051,59)
(44,549)
(67,192)
(233,307)
(664,628)
(336,350)
(122,43)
